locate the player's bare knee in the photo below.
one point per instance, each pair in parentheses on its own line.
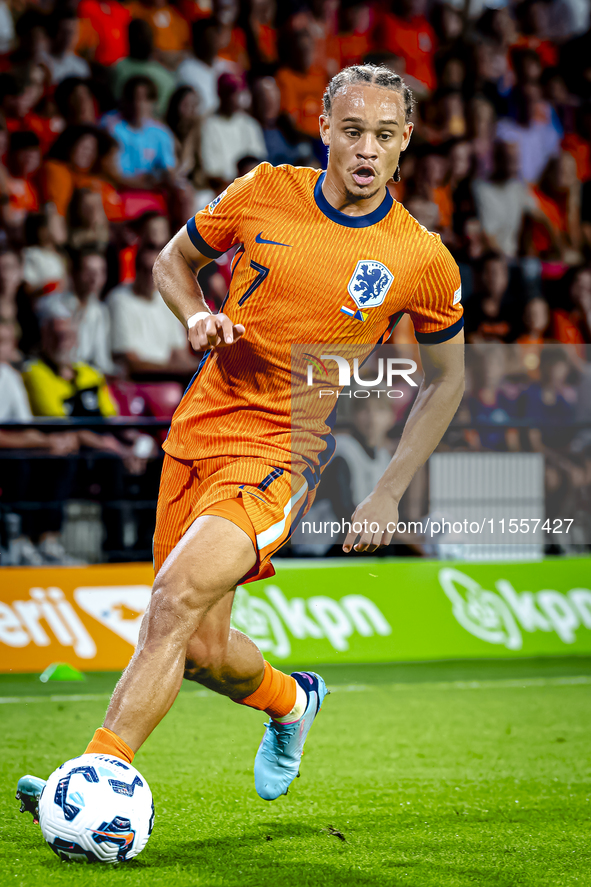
(178,606)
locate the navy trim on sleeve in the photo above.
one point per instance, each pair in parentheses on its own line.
(440,335)
(199,243)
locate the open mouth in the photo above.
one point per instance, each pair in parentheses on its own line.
(364,175)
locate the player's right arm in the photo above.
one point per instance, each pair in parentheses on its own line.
(213,231)
(175,274)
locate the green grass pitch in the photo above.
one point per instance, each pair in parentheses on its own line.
(439,775)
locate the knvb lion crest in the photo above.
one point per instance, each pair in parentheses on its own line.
(369,283)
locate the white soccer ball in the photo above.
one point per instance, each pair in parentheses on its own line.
(96,808)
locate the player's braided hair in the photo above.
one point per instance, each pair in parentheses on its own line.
(378,75)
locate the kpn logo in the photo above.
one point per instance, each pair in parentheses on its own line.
(344,374)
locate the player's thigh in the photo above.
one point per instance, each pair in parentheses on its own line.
(203,567)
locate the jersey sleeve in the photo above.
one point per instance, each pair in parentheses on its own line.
(218,227)
(436,308)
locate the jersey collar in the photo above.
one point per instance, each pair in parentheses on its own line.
(335,215)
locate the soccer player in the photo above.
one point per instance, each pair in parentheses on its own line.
(324,257)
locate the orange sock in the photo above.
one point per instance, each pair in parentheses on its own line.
(105,742)
(276,695)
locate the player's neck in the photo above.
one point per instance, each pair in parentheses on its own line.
(337,195)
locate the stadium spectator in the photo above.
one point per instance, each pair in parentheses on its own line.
(424,210)
(261,35)
(19,96)
(63,62)
(14,302)
(536,320)
(44,267)
(535,129)
(232,39)
(201,72)
(452,74)
(267,109)
(301,84)
(534,24)
(527,68)
(183,120)
(146,147)
(571,322)
(57,385)
(444,116)
(462,164)
(574,62)
(7,32)
(491,401)
(405,31)
(354,39)
(428,184)
(549,407)
(33,40)
(147,337)
(229,134)
(87,221)
(169,29)
(14,403)
(24,160)
(490,74)
(490,314)
(75,102)
(104,25)
(76,160)
(503,201)
(577,141)
(566,107)
(448,24)
(481,121)
(142,63)
(150,228)
(83,304)
(558,197)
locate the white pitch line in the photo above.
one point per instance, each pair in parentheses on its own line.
(80,697)
(502,684)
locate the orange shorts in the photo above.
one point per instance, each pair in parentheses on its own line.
(265,501)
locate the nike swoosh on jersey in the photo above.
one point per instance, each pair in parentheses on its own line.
(260,239)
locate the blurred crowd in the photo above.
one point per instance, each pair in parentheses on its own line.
(118,121)
(533,398)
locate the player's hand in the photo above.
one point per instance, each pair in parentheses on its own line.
(214,331)
(378,510)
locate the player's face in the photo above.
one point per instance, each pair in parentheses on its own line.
(366,131)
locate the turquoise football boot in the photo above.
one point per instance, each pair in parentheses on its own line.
(28,792)
(277,762)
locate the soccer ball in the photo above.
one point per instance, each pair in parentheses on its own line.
(96,808)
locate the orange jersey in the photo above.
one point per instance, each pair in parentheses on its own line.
(304,273)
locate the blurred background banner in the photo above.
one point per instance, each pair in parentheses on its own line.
(365,611)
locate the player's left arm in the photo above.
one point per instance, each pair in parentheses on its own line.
(436,403)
